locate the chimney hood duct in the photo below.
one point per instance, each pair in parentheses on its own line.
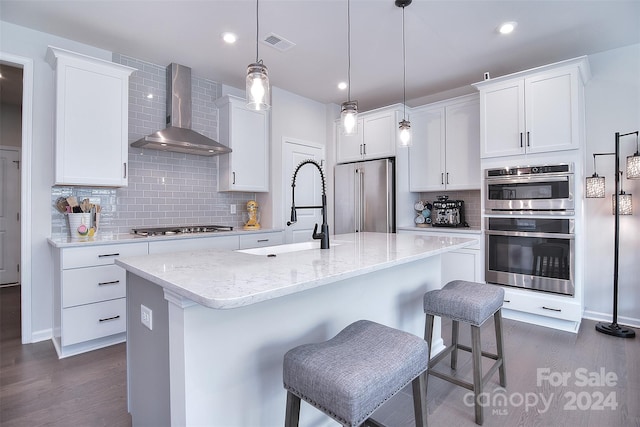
(178,136)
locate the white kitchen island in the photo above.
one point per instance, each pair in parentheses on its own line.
(223,320)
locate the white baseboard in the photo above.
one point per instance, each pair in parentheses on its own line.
(608,317)
(43,335)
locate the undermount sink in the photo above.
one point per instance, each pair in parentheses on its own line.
(283,249)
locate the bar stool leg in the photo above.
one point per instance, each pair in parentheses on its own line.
(420,399)
(292,415)
(455,326)
(497,320)
(476,354)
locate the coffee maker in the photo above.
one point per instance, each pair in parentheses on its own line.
(448,213)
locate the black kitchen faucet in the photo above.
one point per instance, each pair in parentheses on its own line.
(323,236)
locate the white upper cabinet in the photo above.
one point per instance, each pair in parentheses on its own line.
(535,111)
(445,154)
(245,131)
(91,120)
(377,136)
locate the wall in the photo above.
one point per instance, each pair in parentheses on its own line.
(295,117)
(165,189)
(612,105)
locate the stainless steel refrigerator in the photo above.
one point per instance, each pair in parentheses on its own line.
(365,197)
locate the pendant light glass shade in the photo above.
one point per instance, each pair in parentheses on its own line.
(258,88)
(405,133)
(349,117)
(595,186)
(633,166)
(626,206)
(258,91)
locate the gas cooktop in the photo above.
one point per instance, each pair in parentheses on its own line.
(181,229)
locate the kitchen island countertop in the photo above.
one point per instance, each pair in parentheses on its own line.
(224,279)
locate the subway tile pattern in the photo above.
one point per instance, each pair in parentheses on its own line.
(165,189)
(471,203)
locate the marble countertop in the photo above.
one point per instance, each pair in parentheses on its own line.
(224,279)
(64,241)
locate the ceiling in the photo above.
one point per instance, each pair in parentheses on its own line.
(449,43)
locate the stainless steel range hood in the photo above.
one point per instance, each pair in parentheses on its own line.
(178,135)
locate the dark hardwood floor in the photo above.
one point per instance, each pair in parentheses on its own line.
(38,389)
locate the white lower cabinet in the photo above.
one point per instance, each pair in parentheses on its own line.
(461,264)
(193,244)
(262,239)
(90,297)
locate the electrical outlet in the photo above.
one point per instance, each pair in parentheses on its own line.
(146,316)
(232,208)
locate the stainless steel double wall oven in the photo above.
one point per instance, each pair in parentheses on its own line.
(529,227)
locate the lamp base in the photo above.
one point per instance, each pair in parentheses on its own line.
(615,330)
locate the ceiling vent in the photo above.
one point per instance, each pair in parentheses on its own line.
(277,42)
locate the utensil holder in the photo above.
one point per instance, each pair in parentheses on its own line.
(75,220)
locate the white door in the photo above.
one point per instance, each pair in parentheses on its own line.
(9,216)
(308,190)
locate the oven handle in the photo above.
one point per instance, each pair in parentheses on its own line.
(529,234)
(513,180)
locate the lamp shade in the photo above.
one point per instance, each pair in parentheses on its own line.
(626,207)
(595,186)
(349,118)
(258,90)
(405,133)
(633,166)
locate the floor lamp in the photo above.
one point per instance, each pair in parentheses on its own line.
(621,205)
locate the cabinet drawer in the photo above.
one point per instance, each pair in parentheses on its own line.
(542,305)
(260,240)
(87,256)
(195,244)
(92,284)
(91,321)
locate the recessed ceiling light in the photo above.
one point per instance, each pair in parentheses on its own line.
(342,85)
(507,27)
(229,38)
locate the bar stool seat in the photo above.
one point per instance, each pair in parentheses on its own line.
(352,374)
(471,303)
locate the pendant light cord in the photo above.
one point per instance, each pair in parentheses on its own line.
(404,72)
(257,31)
(349,50)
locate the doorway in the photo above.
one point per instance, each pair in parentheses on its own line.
(16,108)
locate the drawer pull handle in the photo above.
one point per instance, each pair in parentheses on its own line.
(262,240)
(109,318)
(107,255)
(109,283)
(552,309)
(507,300)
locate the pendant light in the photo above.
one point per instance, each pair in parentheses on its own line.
(633,163)
(258,90)
(405,125)
(349,108)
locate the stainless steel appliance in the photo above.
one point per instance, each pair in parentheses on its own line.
(448,213)
(533,253)
(365,197)
(545,189)
(178,135)
(180,229)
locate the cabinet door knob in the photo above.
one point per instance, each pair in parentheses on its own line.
(234,177)
(520,139)
(528,140)
(125,169)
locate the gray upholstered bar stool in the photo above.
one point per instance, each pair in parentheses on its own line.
(352,374)
(471,303)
